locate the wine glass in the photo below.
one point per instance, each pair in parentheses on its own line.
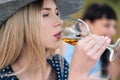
(76,29)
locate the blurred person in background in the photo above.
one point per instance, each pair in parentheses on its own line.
(102,20)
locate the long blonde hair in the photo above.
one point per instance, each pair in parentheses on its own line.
(23,31)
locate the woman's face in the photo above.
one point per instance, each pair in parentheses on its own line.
(51,24)
(104,27)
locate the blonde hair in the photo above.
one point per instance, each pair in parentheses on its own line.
(23,33)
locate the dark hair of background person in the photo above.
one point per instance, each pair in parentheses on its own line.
(97,11)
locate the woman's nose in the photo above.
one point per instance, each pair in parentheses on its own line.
(59,21)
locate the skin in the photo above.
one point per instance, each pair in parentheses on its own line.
(52,26)
(103,27)
(81,63)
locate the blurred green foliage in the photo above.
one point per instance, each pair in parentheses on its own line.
(115,4)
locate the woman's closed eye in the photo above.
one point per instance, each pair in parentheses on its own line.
(45,15)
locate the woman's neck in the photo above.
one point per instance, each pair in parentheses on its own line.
(32,72)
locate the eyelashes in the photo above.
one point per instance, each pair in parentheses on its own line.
(46,15)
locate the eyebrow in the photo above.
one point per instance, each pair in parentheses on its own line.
(48,8)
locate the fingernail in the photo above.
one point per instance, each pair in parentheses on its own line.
(106,37)
(109,40)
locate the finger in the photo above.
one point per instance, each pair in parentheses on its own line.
(93,44)
(83,42)
(87,39)
(100,50)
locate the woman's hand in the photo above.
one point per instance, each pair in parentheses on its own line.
(86,55)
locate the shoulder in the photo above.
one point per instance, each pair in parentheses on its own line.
(4,72)
(61,66)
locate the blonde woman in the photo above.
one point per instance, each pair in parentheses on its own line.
(31,30)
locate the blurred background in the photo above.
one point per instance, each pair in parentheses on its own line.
(115,4)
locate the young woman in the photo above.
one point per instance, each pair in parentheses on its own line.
(30,31)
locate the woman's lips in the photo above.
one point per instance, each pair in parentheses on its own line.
(58,35)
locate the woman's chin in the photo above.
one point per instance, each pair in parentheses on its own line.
(55,46)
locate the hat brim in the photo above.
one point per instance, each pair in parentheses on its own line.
(68,7)
(9,7)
